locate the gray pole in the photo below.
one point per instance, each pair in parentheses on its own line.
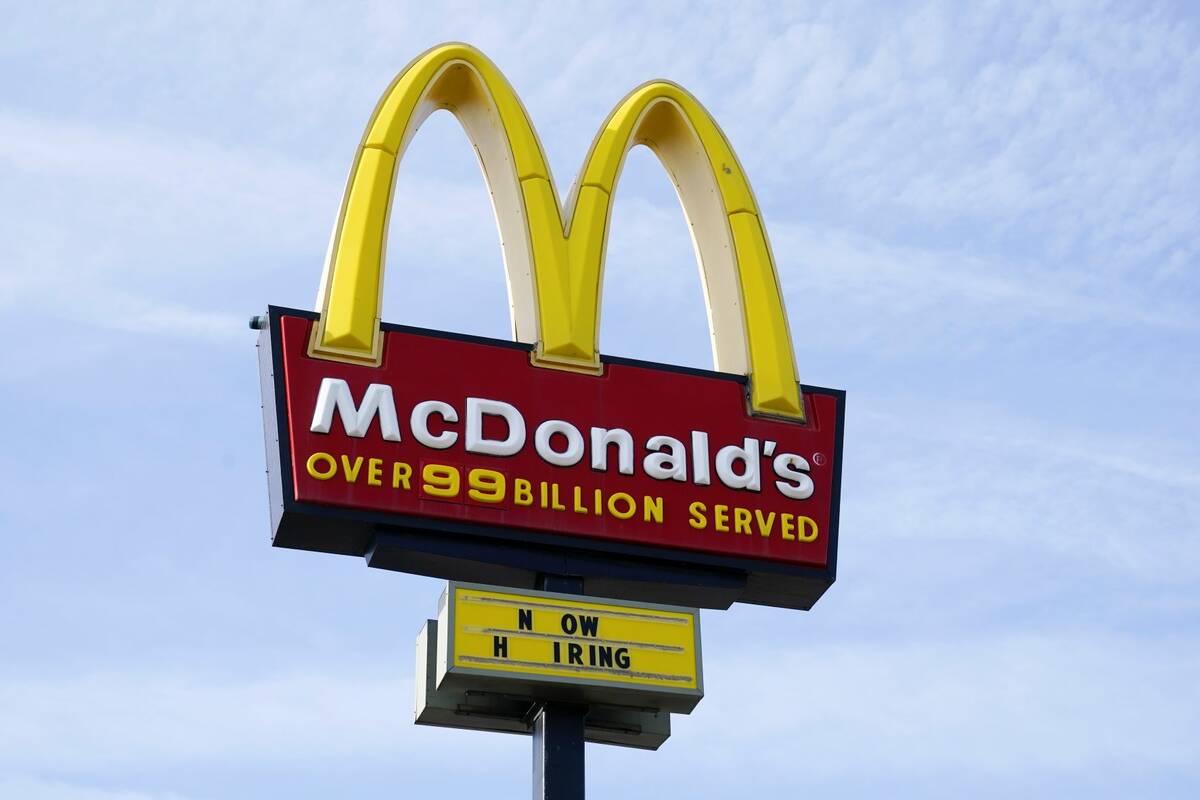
(558,766)
(558,752)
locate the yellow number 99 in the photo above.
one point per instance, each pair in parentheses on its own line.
(440,480)
(487,485)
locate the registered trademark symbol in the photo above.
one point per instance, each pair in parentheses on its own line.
(818,459)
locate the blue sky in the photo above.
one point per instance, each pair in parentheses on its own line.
(985,220)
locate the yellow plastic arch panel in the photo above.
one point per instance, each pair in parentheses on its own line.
(554,265)
(462,80)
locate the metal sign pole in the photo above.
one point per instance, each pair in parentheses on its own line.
(558,728)
(558,752)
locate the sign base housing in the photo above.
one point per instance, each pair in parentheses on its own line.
(473,709)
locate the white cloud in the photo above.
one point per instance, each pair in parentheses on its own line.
(938,181)
(990,476)
(1045,701)
(896,295)
(34,788)
(190,213)
(1059,132)
(139,718)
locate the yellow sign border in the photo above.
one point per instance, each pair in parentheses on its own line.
(554,262)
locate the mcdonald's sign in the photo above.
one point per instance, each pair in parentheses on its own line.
(492,461)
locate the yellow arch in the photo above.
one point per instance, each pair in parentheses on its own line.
(554,267)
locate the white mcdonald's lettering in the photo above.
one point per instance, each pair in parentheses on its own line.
(559,442)
(419,422)
(477,443)
(335,393)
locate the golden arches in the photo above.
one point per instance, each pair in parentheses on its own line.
(554,266)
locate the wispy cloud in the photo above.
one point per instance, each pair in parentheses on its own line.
(34,788)
(985,475)
(977,706)
(984,219)
(1038,702)
(172,719)
(1054,148)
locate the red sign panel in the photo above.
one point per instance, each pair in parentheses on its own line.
(467,434)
